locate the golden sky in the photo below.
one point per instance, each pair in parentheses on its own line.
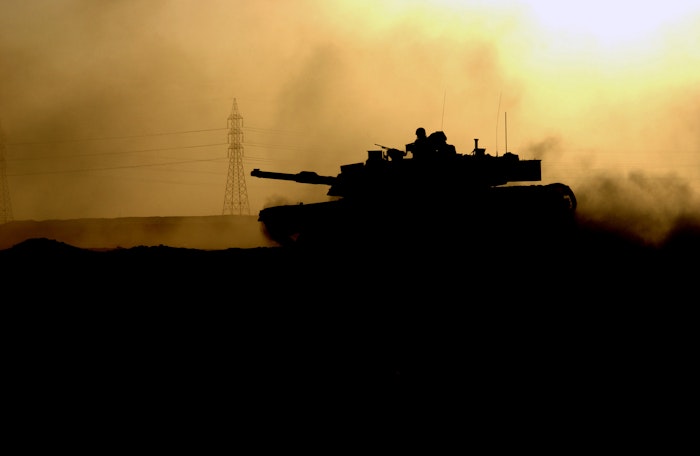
(119,109)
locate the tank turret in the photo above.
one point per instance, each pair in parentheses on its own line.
(396,190)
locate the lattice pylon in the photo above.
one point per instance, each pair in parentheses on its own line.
(5,204)
(236,196)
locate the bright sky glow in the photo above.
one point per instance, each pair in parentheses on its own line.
(611,23)
(120,109)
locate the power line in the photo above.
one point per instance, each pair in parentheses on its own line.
(110,168)
(148,135)
(108,138)
(134,151)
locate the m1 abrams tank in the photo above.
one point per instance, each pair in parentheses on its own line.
(404,196)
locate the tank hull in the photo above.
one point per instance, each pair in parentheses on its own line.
(540,210)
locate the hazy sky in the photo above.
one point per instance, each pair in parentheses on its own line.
(119,108)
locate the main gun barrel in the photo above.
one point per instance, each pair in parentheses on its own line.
(304,177)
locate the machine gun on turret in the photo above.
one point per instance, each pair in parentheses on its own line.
(393,153)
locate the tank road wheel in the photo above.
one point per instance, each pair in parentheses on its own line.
(282,224)
(281,236)
(561,209)
(565,196)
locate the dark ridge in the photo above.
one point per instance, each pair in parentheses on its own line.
(582,322)
(45,247)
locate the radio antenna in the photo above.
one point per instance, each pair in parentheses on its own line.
(498,115)
(506,126)
(443,109)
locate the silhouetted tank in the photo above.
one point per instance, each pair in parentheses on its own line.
(394,195)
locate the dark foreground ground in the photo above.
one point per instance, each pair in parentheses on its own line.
(577,336)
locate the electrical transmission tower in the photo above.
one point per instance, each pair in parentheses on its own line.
(5,206)
(236,197)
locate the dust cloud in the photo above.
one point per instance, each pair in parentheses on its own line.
(120,109)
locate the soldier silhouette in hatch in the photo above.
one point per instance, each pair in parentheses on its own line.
(439,146)
(421,147)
